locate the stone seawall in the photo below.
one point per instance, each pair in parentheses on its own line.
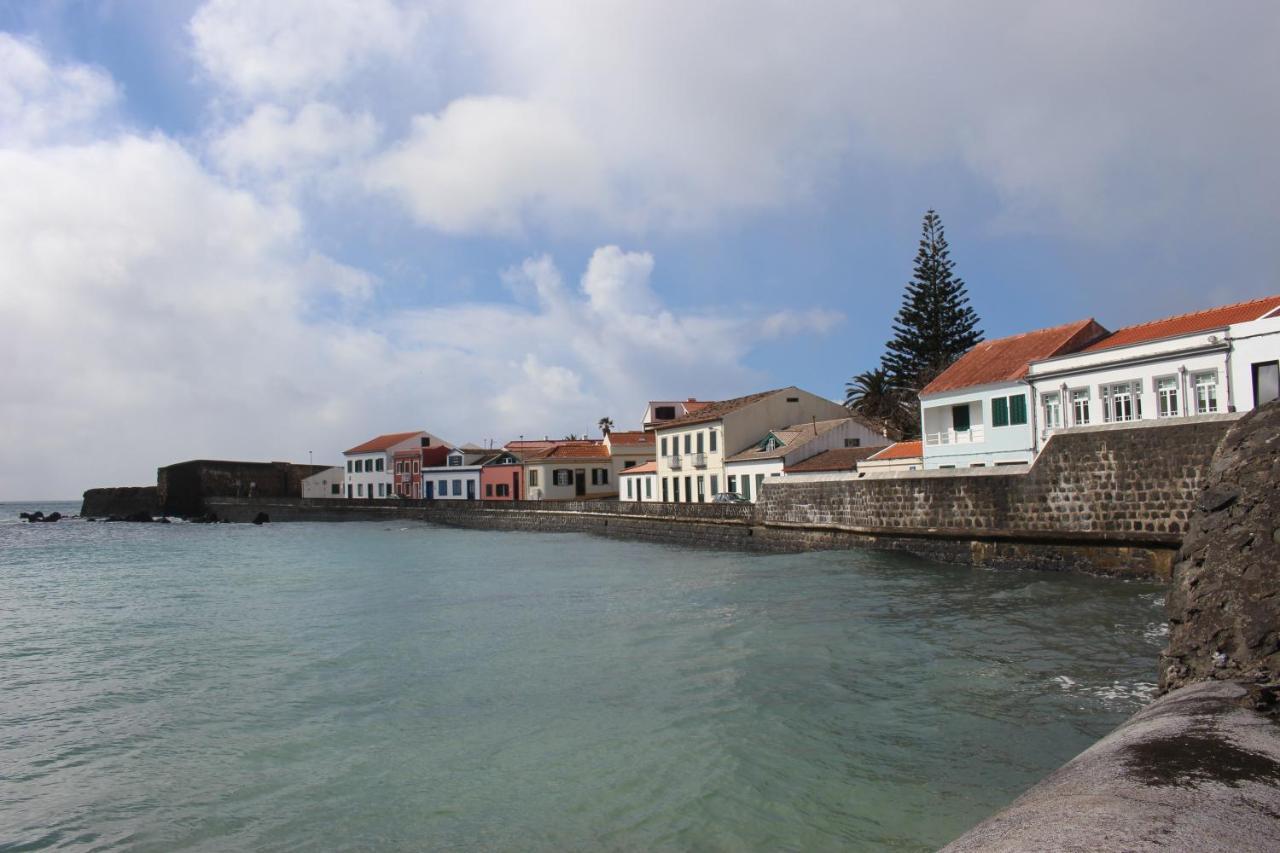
(120,501)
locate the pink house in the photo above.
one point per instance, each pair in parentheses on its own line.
(502,478)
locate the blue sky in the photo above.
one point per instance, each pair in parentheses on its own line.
(238,229)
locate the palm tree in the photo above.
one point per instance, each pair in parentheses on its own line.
(606,425)
(573,436)
(873,395)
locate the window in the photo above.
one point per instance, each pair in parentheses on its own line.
(664,413)
(793,399)
(630,496)
(770,443)
(455,461)
(599,476)
(1018,409)
(1122,402)
(688,490)
(1266,382)
(712,439)
(504,491)
(853,442)
(688,442)
(702,490)
(700,442)
(1167,397)
(336,489)
(1052,411)
(999,411)
(746,486)
(1206,392)
(759,485)
(664,489)
(443,491)
(360,490)
(348,466)
(715,484)
(675,489)
(348,490)
(488,490)
(630,463)
(648,487)
(562,477)
(733,482)
(664,447)
(960,417)
(1080,406)
(533,476)
(457,488)
(417,467)
(378,463)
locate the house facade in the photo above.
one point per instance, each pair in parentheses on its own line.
(659,412)
(691,450)
(639,483)
(457,478)
(977,412)
(900,456)
(573,470)
(1223,359)
(502,477)
(627,449)
(840,463)
(746,472)
(369,471)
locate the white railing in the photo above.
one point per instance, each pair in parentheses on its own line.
(673,462)
(973,435)
(698,460)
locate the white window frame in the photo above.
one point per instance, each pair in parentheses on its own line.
(1205,383)
(1051,402)
(1080,399)
(1167,397)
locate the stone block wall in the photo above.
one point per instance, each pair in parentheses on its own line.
(183,487)
(1133,484)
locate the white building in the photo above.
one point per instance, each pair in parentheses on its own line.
(659,412)
(902,456)
(324,484)
(369,470)
(575,469)
(692,449)
(747,471)
(458,479)
(627,449)
(1224,359)
(839,463)
(977,412)
(639,483)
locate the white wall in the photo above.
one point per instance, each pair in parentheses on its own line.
(1252,343)
(319,485)
(450,474)
(989,445)
(363,484)
(644,488)
(546,490)
(760,470)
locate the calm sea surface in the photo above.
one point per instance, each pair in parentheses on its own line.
(403,687)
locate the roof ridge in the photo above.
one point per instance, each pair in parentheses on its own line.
(1187,314)
(1062,327)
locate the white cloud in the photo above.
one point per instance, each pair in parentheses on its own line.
(487,164)
(1092,119)
(283,47)
(39,101)
(273,144)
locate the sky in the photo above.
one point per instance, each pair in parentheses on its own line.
(270,231)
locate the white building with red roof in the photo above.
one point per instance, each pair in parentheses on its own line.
(639,483)
(370,471)
(1223,359)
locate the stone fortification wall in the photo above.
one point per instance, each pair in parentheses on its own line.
(1133,485)
(121,501)
(184,487)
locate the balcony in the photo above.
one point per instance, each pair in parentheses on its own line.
(673,462)
(973,435)
(698,460)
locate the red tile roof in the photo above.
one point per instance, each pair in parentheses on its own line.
(900,450)
(836,459)
(1006,359)
(382,442)
(647,468)
(631,437)
(567,452)
(1186,324)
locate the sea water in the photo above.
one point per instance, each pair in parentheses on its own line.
(397,686)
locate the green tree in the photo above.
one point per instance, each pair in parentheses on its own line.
(935,325)
(873,396)
(606,425)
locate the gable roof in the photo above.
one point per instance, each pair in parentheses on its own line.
(837,459)
(569,452)
(629,437)
(790,437)
(1006,359)
(714,411)
(649,467)
(1186,324)
(899,450)
(382,442)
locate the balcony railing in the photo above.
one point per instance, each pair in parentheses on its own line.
(673,462)
(973,435)
(698,460)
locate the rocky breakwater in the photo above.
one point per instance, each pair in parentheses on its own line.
(1198,768)
(122,502)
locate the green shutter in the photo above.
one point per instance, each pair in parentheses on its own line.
(1000,412)
(1018,409)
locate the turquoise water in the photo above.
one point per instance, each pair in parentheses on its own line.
(403,687)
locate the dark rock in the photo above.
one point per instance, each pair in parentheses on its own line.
(32,516)
(53,516)
(261,518)
(1223,608)
(138,516)
(123,501)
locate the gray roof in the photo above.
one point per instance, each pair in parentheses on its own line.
(791,437)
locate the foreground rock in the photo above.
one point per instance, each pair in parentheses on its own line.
(1224,606)
(38,516)
(121,502)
